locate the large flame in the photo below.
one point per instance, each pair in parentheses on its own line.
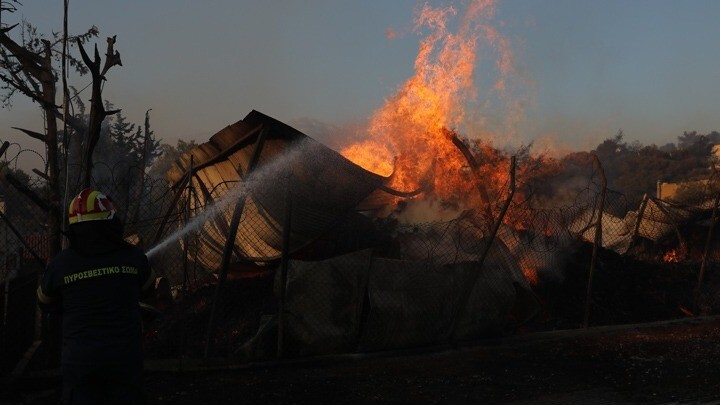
(411,134)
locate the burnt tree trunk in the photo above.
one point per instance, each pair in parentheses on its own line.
(48,80)
(97,110)
(140,183)
(40,87)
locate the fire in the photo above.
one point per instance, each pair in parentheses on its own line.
(675,255)
(410,136)
(685,311)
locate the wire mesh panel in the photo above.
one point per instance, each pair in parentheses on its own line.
(359,281)
(324,303)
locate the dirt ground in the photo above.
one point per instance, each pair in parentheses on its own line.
(667,362)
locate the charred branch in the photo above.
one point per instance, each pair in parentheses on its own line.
(31,62)
(475,168)
(469,284)
(17,84)
(597,243)
(29,193)
(97,110)
(112,57)
(41,174)
(32,134)
(74,123)
(22,240)
(32,75)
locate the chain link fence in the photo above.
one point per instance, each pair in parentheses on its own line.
(365,284)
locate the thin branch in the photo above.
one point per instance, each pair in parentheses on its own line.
(29,193)
(112,57)
(41,174)
(32,134)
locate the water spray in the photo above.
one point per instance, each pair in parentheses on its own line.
(264,176)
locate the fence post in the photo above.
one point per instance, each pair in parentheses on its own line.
(598,240)
(659,204)
(186,238)
(171,208)
(467,288)
(232,233)
(22,240)
(638,220)
(284,262)
(706,251)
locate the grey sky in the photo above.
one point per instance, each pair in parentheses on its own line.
(648,67)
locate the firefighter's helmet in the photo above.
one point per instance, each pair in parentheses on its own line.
(90,205)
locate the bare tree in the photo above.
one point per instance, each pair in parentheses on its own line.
(97,109)
(27,67)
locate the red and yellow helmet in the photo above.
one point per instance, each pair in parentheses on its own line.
(90,205)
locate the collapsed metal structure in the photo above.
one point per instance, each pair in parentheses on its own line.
(268,196)
(324,188)
(263,196)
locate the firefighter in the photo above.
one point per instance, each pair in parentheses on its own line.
(96,285)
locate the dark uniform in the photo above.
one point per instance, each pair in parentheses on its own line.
(96,284)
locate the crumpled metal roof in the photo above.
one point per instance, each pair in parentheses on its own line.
(324,188)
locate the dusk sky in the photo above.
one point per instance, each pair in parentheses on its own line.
(587,68)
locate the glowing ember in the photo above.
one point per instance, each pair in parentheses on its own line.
(531,274)
(685,311)
(410,133)
(675,255)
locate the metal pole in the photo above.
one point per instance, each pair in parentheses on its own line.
(6,295)
(284,262)
(638,220)
(469,286)
(659,205)
(170,209)
(232,233)
(20,238)
(598,241)
(187,219)
(66,107)
(708,241)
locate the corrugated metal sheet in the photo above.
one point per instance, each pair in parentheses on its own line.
(616,232)
(324,187)
(659,220)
